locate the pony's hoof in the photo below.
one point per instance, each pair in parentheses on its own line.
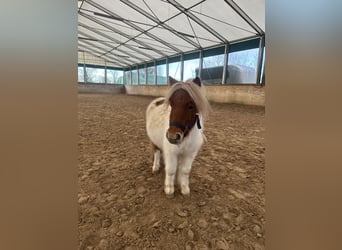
(169,190)
(185,191)
(155,169)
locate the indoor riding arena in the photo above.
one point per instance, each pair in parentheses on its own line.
(126,52)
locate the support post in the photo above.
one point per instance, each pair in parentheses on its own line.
(155,73)
(224,73)
(84,72)
(138,74)
(260,58)
(167,69)
(200,63)
(84,69)
(105,72)
(182,66)
(146,83)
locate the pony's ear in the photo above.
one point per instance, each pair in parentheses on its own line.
(197,81)
(172,81)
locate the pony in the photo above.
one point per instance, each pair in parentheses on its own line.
(174,125)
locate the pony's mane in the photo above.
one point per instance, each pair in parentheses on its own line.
(196,93)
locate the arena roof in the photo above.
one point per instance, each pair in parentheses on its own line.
(123,33)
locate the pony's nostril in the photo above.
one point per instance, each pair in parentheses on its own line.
(174,138)
(178,136)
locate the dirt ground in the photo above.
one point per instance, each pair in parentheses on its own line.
(122,204)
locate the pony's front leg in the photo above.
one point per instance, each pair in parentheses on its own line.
(184,170)
(170,172)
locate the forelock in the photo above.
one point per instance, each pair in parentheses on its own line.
(196,93)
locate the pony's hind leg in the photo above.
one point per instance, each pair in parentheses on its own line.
(156,158)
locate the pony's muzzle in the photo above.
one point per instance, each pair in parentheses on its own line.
(174,138)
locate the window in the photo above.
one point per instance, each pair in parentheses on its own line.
(242,66)
(161,74)
(114,76)
(142,78)
(94,75)
(128,77)
(212,69)
(174,70)
(135,77)
(150,75)
(190,67)
(80,74)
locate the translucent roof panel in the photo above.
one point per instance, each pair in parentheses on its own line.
(85,57)
(173,39)
(135,32)
(193,30)
(122,10)
(98,53)
(162,47)
(147,49)
(234,28)
(255,9)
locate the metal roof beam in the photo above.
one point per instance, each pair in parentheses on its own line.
(102,49)
(92,53)
(245,17)
(162,24)
(122,34)
(135,27)
(114,40)
(198,21)
(87,51)
(107,44)
(117,41)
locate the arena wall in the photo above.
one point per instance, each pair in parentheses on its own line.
(100,88)
(241,94)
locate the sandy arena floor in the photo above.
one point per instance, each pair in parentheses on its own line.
(122,204)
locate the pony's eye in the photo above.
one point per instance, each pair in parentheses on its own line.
(191,106)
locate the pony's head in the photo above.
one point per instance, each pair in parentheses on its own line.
(188,103)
